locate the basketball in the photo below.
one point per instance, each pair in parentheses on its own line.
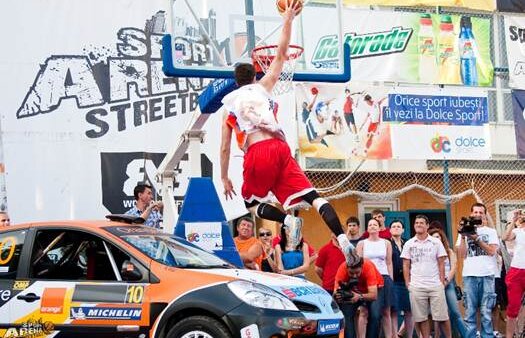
(281,5)
(314,91)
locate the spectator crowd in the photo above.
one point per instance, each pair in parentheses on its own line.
(392,286)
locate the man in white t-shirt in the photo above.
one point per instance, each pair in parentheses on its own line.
(424,272)
(516,275)
(479,253)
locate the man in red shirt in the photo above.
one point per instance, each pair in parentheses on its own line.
(328,261)
(356,286)
(384,232)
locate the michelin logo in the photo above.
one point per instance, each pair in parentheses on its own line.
(105,313)
(328,327)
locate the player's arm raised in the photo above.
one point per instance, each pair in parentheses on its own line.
(271,77)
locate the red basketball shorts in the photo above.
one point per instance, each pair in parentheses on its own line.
(372,127)
(270,167)
(515,281)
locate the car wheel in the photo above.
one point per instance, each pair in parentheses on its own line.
(199,327)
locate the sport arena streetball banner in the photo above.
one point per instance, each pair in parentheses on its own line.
(362,121)
(403,47)
(87,112)
(515,41)
(484,5)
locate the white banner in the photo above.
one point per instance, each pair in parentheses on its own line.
(207,235)
(515,41)
(87,112)
(437,142)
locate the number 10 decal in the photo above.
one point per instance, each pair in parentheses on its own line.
(135,294)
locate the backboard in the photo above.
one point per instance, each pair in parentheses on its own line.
(208,37)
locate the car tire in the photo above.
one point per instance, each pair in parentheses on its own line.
(199,327)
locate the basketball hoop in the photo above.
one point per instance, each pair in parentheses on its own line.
(262,59)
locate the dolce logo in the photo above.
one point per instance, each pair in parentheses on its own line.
(470,142)
(211,235)
(5,295)
(517,33)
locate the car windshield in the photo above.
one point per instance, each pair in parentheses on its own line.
(175,252)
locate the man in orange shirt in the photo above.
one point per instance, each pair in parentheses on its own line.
(356,286)
(249,247)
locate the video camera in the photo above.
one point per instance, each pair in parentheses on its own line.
(344,293)
(468,225)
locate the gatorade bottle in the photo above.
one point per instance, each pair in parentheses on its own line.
(427,50)
(448,63)
(467,48)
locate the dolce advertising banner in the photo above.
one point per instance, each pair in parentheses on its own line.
(87,112)
(360,121)
(403,47)
(486,5)
(515,41)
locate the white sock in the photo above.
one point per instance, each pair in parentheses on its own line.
(288,220)
(344,243)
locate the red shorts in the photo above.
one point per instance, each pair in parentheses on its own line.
(372,127)
(270,167)
(515,281)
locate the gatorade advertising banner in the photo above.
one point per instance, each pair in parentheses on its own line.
(518,107)
(517,6)
(515,41)
(403,47)
(484,5)
(362,121)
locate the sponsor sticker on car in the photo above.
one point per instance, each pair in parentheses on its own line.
(328,326)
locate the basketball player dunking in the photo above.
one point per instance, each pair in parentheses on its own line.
(268,165)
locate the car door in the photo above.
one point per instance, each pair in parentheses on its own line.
(11,247)
(77,288)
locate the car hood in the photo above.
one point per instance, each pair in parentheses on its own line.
(296,289)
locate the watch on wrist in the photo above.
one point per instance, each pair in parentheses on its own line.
(361,297)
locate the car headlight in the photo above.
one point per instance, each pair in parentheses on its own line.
(261,296)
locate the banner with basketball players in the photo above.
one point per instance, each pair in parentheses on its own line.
(486,5)
(403,47)
(363,121)
(515,41)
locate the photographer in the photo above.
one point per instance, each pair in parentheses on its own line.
(516,276)
(357,283)
(477,244)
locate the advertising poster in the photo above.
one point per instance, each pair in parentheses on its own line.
(359,121)
(484,5)
(515,41)
(87,112)
(338,121)
(518,107)
(403,47)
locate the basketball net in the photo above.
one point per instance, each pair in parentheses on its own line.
(262,59)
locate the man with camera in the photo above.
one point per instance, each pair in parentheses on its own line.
(477,244)
(356,286)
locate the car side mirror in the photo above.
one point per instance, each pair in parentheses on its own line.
(130,272)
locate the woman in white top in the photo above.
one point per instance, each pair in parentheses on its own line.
(379,251)
(516,276)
